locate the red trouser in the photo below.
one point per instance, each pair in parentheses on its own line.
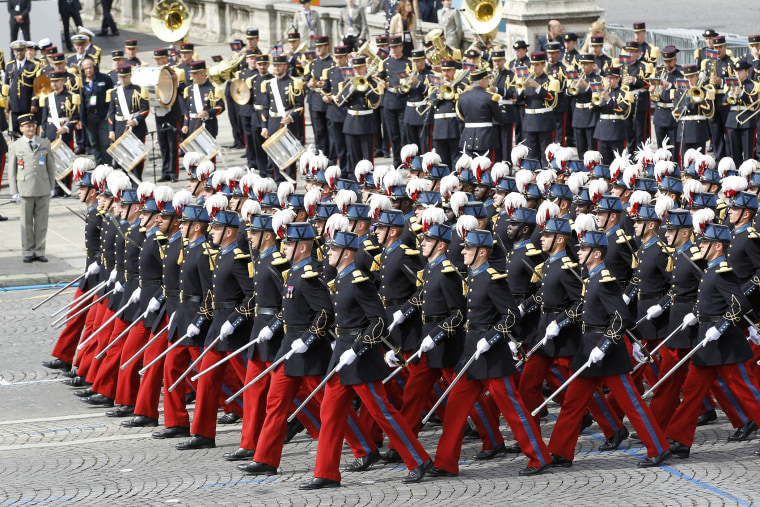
(108,370)
(580,391)
(149,393)
(67,342)
(417,391)
(128,380)
(505,394)
(699,380)
(89,327)
(86,368)
(175,364)
(210,387)
(540,368)
(336,409)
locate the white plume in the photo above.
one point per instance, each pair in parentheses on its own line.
(311,199)
(550,150)
(332,175)
(514,201)
(163,193)
(249,208)
(285,190)
(596,189)
(583,223)
(457,202)
(430,159)
(701,218)
(205,170)
(280,221)
(234,174)
(499,171)
(691,187)
(408,152)
(248,182)
(80,166)
(732,185)
(704,162)
(663,204)
(362,169)
(318,162)
(576,180)
(191,159)
(544,180)
(379,174)
(117,182)
(218,180)
(523,178)
(663,168)
(378,203)
(415,186)
(99,175)
(466,223)
(640,197)
(449,185)
(345,198)
(630,175)
(392,179)
(336,223)
(432,215)
(748,167)
(145,190)
(591,159)
(726,164)
(181,199)
(519,153)
(464,162)
(214,203)
(690,156)
(264,186)
(546,210)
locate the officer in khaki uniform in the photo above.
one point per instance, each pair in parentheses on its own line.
(32,179)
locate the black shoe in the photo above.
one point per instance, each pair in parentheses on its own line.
(654,461)
(190,398)
(362,464)
(317,483)
(57,364)
(744,433)
(196,442)
(294,428)
(532,470)
(3,218)
(559,461)
(679,450)
(228,418)
(84,394)
(40,258)
(707,418)
(98,399)
(68,374)
(173,432)
(440,472)
(79,151)
(164,178)
(435,421)
(121,411)
(491,453)
(77,381)
(392,456)
(239,455)
(612,444)
(255,468)
(514,449)
(418,473)
(586,421)
(28,259)
(115,34)
(102,33)
(141,421)
(471,434)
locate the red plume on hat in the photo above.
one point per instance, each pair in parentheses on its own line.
(247,182)
(639,198)
(264,186)
(332,174)
(163,195)
(81,165)
(215,204)
(181,199)
(408,152)
(596,189)
(546,210)
(145,191)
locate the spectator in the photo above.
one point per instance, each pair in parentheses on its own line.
(19,18)
(451,21)
(612,42)
(95,110)
(307,23)
(554,35)
(405,23)
(425,10)
(69,9)
(108,21)
(353,25)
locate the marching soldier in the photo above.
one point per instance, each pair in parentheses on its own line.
(317,75)
(130,53)
(394,102)
(541,94)
(585,116)
(447,126)
(283,107)
(741,132)
(479,110)
(501,83)
(717,68)
(359,106)
(202,103)
(128,110)
(662,92)
(336,116)
(614,109)
(168,121)
(418,127)
(18,85)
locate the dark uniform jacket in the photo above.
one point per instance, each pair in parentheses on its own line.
(663,108)
(67,107)
(195,290)
(509,96)
(539,109)
(693,127)
(211,102)
(650,282)
(743,255)
(584,114)
(416,97)
(612,118)
(138,110)
(268,269)
(620,254)
(317,69)
(20,81)
(356,107)
(291,94)
(477,108)
(680,299)
(399,265)
(447,124)
(522,263)
(151,271)
(170,263)
(749,95)
(390,70)
(92,246)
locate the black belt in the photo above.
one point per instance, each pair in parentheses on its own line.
(684,299)
(349,330)
(651,295)
(171,293)
(265,311)
(93,252)
(131,275)
(149,283)
(709,319)
(295,329)
(189,298)
(224,305)
(428,319)
(478,327)
(394,301)
(552,309)
(592,329)
(519,296)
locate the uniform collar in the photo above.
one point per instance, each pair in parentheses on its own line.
(651,241)
(393,246)
(489,202)
(480,269)
(596,270)
(269,251)
(174,237)
(437,261)
(521,244)
(196,242)
(151,232)
(228,248)
(363,238)
(409,215)
(556,256)
(681,249)
(92,207)
(716,261)
(134,224)
(612,230)
(298,265)
(739,230)
(346,270)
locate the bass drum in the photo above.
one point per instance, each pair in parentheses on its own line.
(161,83)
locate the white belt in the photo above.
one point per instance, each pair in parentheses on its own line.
(738,108)
(503,102)
(392,89)
(539,111)
(273,114)
(667,105)
(60,119)
(362,112)
(121,118)
(610,117)
(258,108)
(441,116)
(693,117)
(584,105)
(415,104)
(480,125)
(193,116)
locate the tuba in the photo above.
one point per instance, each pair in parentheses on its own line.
(439,51)
(225,70)
(483,16)
(170,20)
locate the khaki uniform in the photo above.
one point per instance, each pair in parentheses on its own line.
(32,176)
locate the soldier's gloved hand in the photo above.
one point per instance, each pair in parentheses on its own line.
(192,330)
(596,355)
(481,347)
(513,347)
(754,336)
(134,297)
(112,276)
(15,198)
(689,319)
(637,355)
(227,329)
(92,269)
(118,288)
(346,358)
(299,347)
(552,330)
(712,334)
(427,344)
(626,298)
(265,334)
(653,312)
(398,318)
(153,305)
(522,310)
(391,359)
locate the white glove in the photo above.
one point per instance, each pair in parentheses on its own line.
(427,344)
(481,347)
(391,359)
(112,276)
(513,347)
(298,347)
(135,297)
(227,329)
(596,355)
(627,299)
(15,198)
(689,319)
(192,330)
(712,334)
(653,312)
(52,194)
(118,287)
(398,318)
(153,305)
(754,336)
(552,330)
(265,334)
(637,355)
(522,310)
(346,358)
(92,269)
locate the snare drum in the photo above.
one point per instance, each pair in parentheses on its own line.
(283,147)
(201,141)
(161,83)
(128,151)
(64,162)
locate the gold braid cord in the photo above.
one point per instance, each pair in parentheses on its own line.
(451,327)
(247,308)
(318,327)
(755,280)
(206,309)
(374,334)
(574,312)
(508,323)
(733,314)
(613,331)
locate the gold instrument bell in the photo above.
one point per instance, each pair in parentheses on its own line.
(170,20)
(42,86)
(483,16)
(239,91)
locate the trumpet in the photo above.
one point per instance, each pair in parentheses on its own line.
(572,89)
(731,97)
(520,85)
(406,86)
(624,87)
(658,89)
(596,97)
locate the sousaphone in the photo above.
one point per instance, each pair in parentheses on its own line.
(170,20)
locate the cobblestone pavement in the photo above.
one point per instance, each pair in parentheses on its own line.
(55,450)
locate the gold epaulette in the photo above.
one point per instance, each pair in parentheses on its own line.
(108,95)
(448,267)
(358,277)
(532,250)
(76,99)
(416,228)
(331,286)
(297,84)
(185,94)
(240,254)
(567,263)
(495,275)
(696,253)
(420,277)
(622,237)
(41,101)
(607,277)
(285,275)
(723,267)
(278,259)
(308,272)
(752,233)
(251,270)
(144,93)
(369,245)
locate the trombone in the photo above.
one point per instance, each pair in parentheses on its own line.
(357,84)
(443,92)
(753,109)
(658,89)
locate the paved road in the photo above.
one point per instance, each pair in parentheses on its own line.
(53,449)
